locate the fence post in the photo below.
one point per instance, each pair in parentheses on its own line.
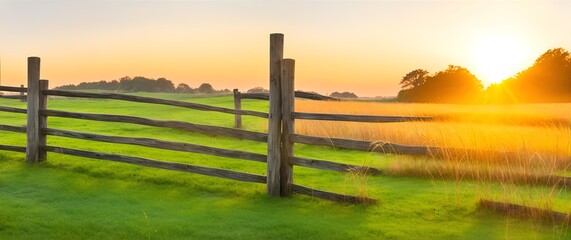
(43,121)
(33,99)
(22,96)
(237,106)
(274,120)
(288,99)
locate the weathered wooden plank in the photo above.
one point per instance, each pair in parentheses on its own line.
(298,94)
(12,128)
(246,177)
(33,118)
(237,106)
(275,116)
(522,211)
(382,147)
(332,196)
(13,89)
(43,120)
(13,96)
(23,98)
(356,118)
(333,166)
(314,96)
(212,130)
(140,99)
(287,94)
(260,96)
(13,148)
(161,144)
(13,110)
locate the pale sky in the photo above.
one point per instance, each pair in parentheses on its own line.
(363,47)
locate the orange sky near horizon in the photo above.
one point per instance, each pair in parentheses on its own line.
(363,47)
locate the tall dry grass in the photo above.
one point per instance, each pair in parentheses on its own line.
(533,131)
(510,145)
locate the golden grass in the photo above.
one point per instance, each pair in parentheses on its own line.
(513,146)
(534,131)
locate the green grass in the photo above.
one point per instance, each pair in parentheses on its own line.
(78,198)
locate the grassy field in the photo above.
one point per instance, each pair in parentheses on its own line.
(70,197)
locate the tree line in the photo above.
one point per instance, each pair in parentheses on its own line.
(142,84)
(547,80)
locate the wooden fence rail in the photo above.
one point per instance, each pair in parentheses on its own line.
(12,110)
(331,196)
(298,94)
(334,166)
(21,97)
(140,99)
(238,96)
(199,128)
(160,144)
(13,89)
(356,118)
(246,177)
(382,147)
(12,128)
(12,148)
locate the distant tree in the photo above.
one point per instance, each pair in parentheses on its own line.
(164,85)
(127,84)
(258,90)
(183,88)
(414,79)
(343,95)
(113,85)
(547,80)
(224,91)
(205,88)
(453,85)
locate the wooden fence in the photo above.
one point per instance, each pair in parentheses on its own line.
(280,137)
(20,96)
(238,96)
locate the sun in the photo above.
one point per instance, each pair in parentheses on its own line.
(496,58)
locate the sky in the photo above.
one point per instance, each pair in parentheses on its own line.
(364,47)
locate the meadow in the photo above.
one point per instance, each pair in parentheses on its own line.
(72,197)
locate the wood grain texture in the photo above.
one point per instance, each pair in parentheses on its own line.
(43,120)
(205,129)
(246,177)
(13,110)
(298,94)
(237,106)
(160,144)
(33,119)
(314,96)
(259,96)
(12,128)
(13,89)
(274,120)
(356,118)
(21,97)
(332,196)
(13,148)
(382,147)
(140,99)
(287,95)
(333,166)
